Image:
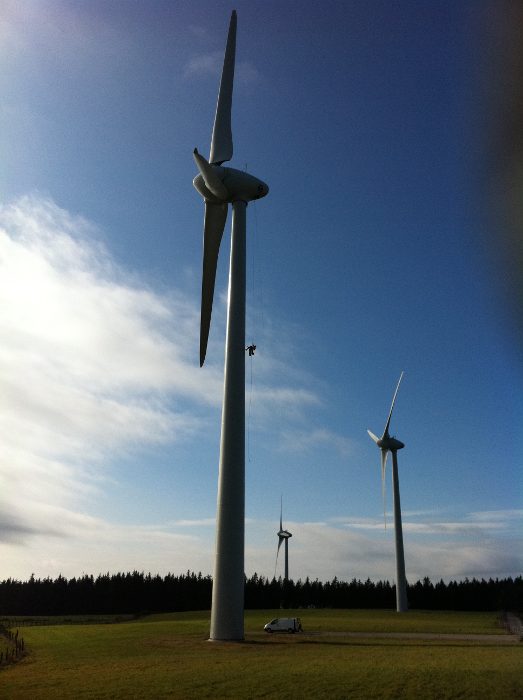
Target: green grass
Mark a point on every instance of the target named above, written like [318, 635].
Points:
[168, 656]
[382, 621]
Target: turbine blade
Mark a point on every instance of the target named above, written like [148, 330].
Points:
[215, 217]
[210, 176]
[373, 436]
[384, 455]
[221, 141]
[281, 513]
[280, 540]
[386, 431]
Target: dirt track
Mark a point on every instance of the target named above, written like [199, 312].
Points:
[478, 638]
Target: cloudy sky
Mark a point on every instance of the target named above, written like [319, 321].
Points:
[375, 252]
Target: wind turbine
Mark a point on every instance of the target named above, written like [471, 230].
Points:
[221, 186]
[283, 536]
[390, 444]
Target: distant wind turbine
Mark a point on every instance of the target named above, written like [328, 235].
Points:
[220, 186]
[283, 536]
[390, 444]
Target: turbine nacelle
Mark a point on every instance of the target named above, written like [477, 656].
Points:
[220, 185]
[284, 534]
[386, 442]
[390, 443]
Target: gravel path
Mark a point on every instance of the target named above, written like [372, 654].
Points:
[479, 638]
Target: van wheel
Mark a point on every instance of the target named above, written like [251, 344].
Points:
[290, 630]
[269, 630]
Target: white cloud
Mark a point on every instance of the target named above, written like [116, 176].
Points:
[95, 367]
[247, 73]
[202, 522]
[70, 308]
[198, 31]
[316, 438]
[204, 65]
[92, 545]
[500, 516]
[210, 64]
[322, 550]
[424, 523]
[91, 368]
[477, 558]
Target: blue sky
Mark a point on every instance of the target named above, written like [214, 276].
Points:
[372, 254]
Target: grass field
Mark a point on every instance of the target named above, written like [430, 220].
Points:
[168, 656]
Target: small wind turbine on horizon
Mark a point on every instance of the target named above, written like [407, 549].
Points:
[283, 536]
[221, 186]
[390, 444]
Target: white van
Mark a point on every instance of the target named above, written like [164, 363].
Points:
[284, 624]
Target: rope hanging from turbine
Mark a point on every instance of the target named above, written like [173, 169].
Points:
[250, 349]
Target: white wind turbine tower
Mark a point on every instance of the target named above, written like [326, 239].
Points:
[283, 536]
[390, 444]
[220, 187]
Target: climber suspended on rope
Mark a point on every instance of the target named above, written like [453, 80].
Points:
[251, 349]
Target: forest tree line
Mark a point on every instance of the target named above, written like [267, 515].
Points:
[139, 593]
